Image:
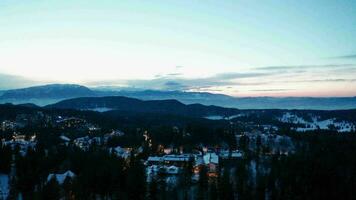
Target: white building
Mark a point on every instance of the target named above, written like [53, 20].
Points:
[61, 177]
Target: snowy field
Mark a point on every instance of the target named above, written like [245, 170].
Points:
[219, 117]
[316, 123]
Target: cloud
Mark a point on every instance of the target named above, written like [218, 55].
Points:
[173, 85]
[271, 90]
[330, 80]
[175, 82]
[174, 74]
[254, 80]
[12, 82]
[230, 76]
[293, 67]
[350, 56]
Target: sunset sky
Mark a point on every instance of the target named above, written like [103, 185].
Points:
[240, 48]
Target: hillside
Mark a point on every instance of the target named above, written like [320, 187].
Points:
[136, 105]
[45, 94]
[49, 94]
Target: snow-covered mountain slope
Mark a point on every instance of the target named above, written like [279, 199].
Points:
[315, 122]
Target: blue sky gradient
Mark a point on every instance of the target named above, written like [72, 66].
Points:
[241, 48]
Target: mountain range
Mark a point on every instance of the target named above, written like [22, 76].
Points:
[126, 104]
[49, 94]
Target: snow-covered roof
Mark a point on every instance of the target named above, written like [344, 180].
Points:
[176, 158]
[234, 154]
[82, 139]
[172, 170]
[211, 158]
[199, 161]
[124, 153]
[61, 177]
[64, 138]
[154, 159]
[170, 158]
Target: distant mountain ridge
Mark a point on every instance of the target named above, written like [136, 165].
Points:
[49, 94]
[205, 98]
[49, 91]
[127, 104]
[45, 94]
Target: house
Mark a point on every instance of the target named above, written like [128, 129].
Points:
[168, 150]
[154, 160]
[226, 154]
[8, 125]
[198, 163]
[172, 170]
[113, 133]
[71, 122]
[177, 160]
[23, 145]
[19, 138]
[82, 142]
[85, 142]
[211, 160]
[60, 178]
[121, 152]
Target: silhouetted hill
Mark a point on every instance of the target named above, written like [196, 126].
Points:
[205, 98]
[45, 94]
[49, 94]
[49, 91]
[135, 105]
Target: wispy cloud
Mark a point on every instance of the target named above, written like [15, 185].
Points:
[11, 82]
[329, 80]
[350, 56]
[253, 80]
[173, 85]
[264, 80]
[174, 74]
[234, 75]
[175, 82]
[293, 67]
[271, 90]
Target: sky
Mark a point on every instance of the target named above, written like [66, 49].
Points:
[239, 48]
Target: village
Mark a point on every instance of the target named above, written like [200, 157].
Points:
[166, 161]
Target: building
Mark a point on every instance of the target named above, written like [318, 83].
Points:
[121, 152]
[232, 155]
[8, 125]
[60, 178]
[176, 160]
[211, 160]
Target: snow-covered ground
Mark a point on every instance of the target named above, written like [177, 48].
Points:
[4, 186]
[214, 117]
[220, 117]
[316, 123]
[291, 118]
[101, 109]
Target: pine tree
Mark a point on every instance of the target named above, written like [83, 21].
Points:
[225, 186]
[51, 190]
[136, 179]
[153, 189]
[6, 157]
[213, 191]
[203, 182]
[68, 188]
